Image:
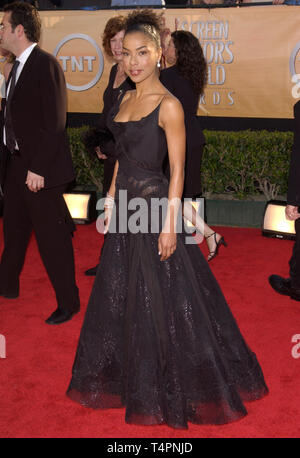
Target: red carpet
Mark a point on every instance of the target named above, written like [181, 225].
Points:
[36, 371]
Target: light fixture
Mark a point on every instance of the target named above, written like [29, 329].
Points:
[275, 223]
[82, 206]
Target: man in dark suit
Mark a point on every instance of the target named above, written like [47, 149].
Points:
[39, 165]
[291, 286]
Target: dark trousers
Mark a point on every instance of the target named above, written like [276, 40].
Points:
[295, 259]
[46, 213]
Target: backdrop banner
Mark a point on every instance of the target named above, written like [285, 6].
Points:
[253, 57]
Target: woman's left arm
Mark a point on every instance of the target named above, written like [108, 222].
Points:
[171, 119]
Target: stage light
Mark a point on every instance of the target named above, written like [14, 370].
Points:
[275, 223]
[82, 206]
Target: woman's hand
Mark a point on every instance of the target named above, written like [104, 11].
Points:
[34, 182]
[99, 154]
[167, 242]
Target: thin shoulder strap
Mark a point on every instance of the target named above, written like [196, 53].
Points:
[159, 105]
[116, 103]
[121, 96]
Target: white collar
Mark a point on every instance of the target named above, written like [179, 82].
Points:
[26, 53]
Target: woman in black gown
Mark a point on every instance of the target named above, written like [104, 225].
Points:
[186, 79]
[118, 82]
[158, 336]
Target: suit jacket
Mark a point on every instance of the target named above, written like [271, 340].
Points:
[38, 108]
[3, 153]
[293, 195]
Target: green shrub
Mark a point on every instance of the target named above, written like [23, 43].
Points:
[88, 168]
[238, 164]
[246, 163]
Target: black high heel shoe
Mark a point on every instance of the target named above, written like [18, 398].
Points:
[213, 254]
[92, 271]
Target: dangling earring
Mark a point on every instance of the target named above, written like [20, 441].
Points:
[158, 64]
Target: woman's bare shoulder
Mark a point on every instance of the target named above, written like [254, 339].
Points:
[128, 95]
[170, 105]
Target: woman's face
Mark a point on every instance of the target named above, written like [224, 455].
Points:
[170, 53]
[116, 45]
[140, 56]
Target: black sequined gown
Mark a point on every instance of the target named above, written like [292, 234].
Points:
[158, 336]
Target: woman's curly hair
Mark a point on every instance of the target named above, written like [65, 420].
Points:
[144, 16]
[113, 26]
[190, 61]
[146, 21]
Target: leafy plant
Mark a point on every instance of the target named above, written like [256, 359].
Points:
[88, 168]
[246, 163]
[238, 164]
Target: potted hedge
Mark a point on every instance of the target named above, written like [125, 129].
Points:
[241, 171]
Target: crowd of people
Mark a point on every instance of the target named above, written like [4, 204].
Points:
[158, 337]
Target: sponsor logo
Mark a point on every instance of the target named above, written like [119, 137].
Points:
[83, 63]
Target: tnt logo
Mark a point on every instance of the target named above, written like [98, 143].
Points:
[81, 60]
[294, 66]
[2, 346]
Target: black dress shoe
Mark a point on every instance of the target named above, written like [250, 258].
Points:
[92, 271]
[280, 285]
[295, 294]
[59, 316]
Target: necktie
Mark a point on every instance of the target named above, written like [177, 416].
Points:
[9, 132]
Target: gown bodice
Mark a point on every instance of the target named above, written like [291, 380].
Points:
[141, 151]
[142, 141]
